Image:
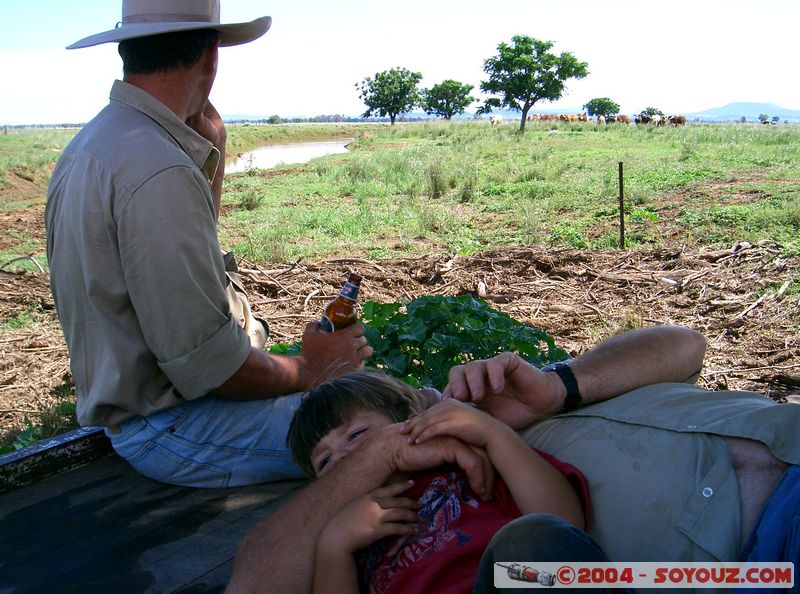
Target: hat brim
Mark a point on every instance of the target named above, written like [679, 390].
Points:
[232, 34]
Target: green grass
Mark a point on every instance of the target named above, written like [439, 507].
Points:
[27, 153]
[461, 186]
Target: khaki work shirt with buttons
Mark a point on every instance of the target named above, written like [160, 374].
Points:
[136, 268]
[662, 484]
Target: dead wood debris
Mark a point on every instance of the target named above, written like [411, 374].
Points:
[740, 299]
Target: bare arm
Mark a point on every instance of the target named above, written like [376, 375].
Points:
[639, 358]
[519, 394]
[278, 554]
[534, 483]
[323, 356]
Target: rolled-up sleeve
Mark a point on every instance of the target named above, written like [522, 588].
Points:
[191, 373]
[175, 275]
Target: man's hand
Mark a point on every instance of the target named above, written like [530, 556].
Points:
[329, 354]
[508, 387]
[210, 126]
[392, 447]
[369, 518]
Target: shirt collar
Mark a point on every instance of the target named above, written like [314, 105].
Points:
[199, 149]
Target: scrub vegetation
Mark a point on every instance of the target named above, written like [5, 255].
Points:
[464, 186]
[531, 222]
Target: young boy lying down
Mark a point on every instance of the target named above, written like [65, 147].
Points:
[424, 532]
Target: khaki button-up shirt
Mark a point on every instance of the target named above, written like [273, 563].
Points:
[662, 484]
[136, 268]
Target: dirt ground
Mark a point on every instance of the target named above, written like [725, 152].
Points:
[736, 297]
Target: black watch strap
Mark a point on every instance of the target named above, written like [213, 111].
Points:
[573, 399]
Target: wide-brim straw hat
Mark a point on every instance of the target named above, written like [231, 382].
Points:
[142, 18]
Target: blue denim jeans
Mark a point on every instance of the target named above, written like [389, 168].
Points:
[537, 537]
[212, 442]
[777, 535]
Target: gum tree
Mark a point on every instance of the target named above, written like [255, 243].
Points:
[525, 72]
[601, 106]
[446, 99]
[390, 92]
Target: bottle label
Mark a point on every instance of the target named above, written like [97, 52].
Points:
[350, 291]
[326, 324]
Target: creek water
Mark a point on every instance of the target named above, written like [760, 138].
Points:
[272, 155]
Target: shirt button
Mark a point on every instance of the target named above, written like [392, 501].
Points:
[708, 491]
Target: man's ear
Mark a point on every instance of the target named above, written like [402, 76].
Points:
[210, 59]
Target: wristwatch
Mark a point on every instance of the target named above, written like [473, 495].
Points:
[564, 371]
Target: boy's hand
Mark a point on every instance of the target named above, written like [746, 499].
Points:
[389, 452]
[371, 517]
[455, 419]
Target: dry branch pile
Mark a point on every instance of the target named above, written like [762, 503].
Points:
[738, 298]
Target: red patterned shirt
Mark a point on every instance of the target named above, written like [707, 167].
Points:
[455, 528]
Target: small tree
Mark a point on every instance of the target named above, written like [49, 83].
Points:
[447, 98]
[390, 92]
[525, 72]
[651, 111]
[601, 106]
[763, 118]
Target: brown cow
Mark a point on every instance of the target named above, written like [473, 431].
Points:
[677, 120]
[623, 119]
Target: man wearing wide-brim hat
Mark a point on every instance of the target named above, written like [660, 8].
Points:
[139, 278]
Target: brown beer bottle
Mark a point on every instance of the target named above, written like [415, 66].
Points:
[341, 312]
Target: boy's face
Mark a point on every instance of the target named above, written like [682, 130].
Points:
[346, 438]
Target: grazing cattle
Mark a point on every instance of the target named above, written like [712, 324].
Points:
[601, 119]
[496, 119]
[643, 118]
[582, 117]
[658, 120]
[534, 117]
[610, 119]
[547, 117]
[623, 119]
[677, 120]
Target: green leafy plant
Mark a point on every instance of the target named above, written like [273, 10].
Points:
[419, 341]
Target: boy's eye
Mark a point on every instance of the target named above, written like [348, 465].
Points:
[355, 434]
[323, 463]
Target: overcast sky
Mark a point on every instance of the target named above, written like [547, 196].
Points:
[680, 56]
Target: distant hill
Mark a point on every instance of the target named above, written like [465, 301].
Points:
[735, 111]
